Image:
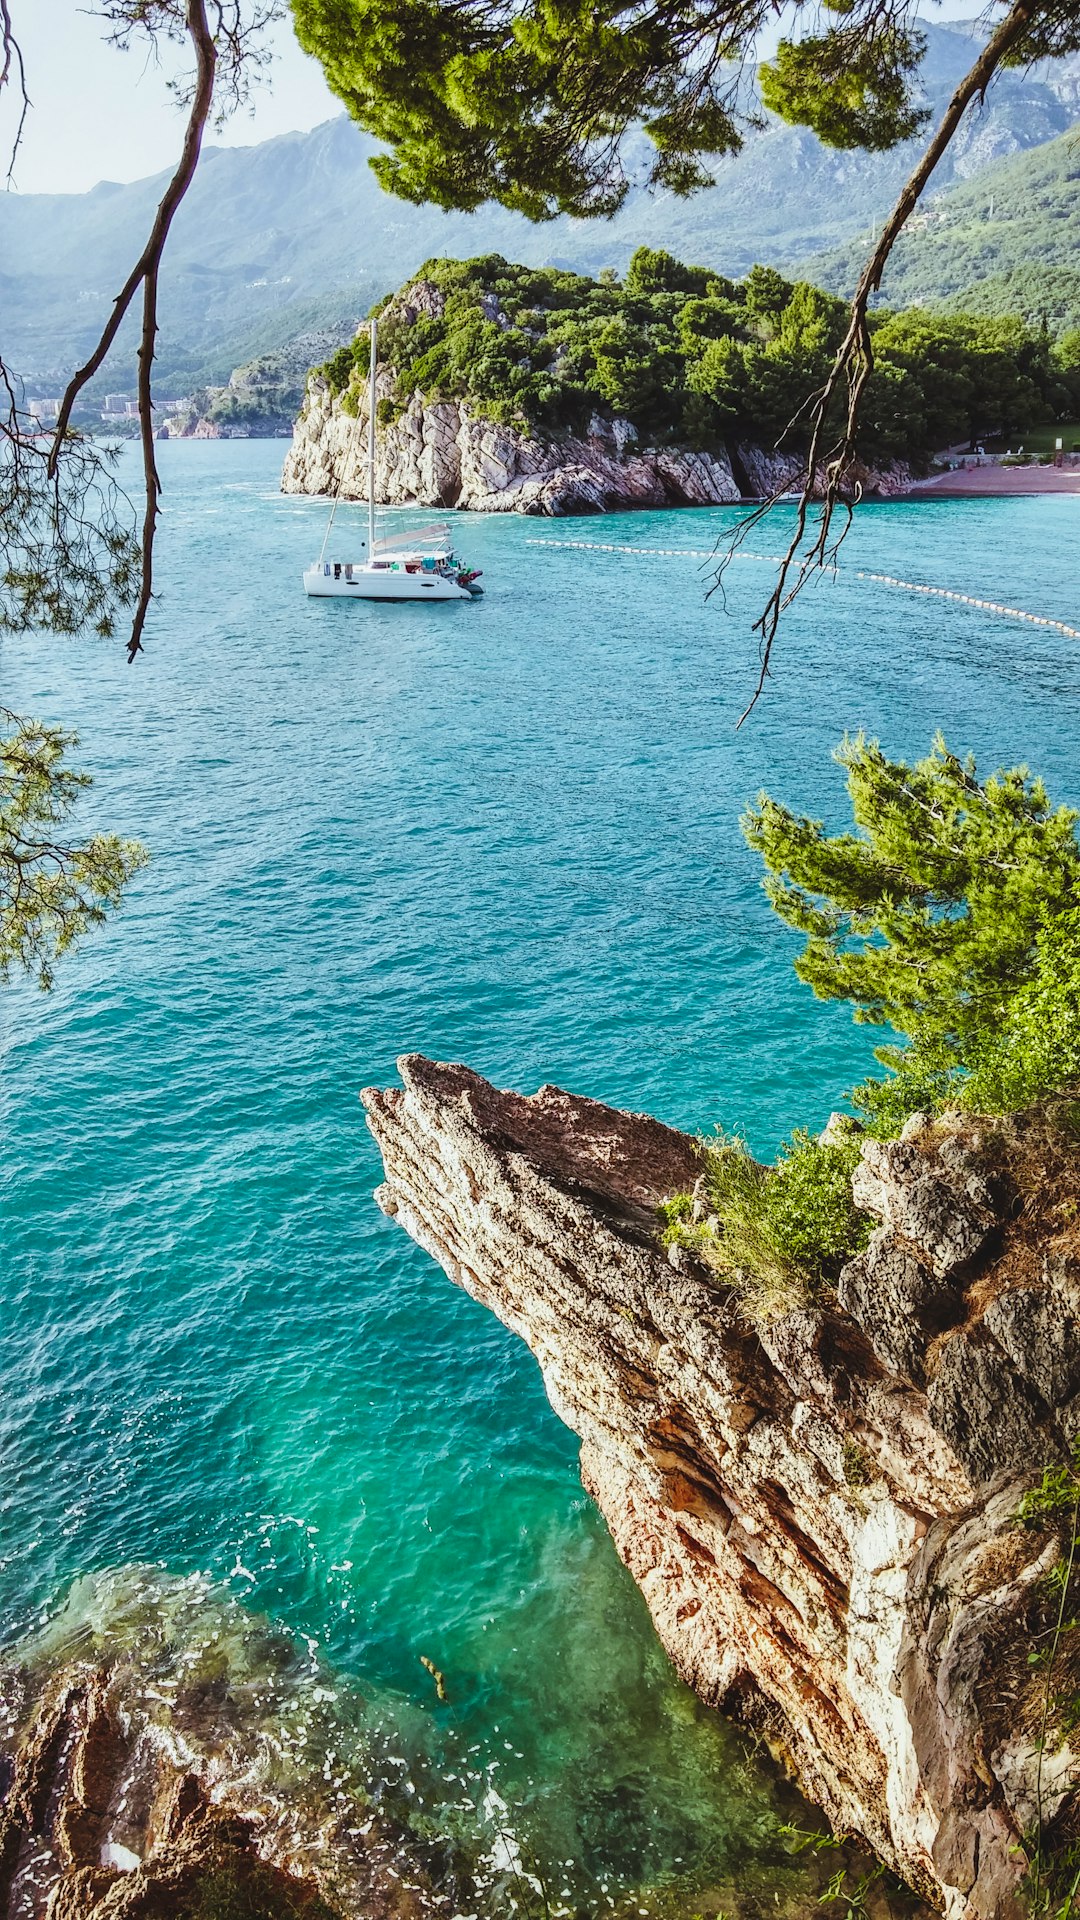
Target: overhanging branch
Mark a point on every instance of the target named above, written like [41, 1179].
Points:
[145, 274]
[831, 465]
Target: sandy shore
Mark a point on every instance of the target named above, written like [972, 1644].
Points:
[1001, 482]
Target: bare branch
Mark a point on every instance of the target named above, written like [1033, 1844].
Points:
[831, 468]
[145, 272]
[11, 59]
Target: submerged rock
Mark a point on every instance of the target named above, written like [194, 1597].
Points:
[164, 1755]
[820, 1511]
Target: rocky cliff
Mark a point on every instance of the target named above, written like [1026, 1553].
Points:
[820, 1511]
[445, 454]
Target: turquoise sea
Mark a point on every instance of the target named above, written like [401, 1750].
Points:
[502, 832]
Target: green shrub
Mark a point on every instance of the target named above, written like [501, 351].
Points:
[339, 369]
[779, 1233]
[917, 1084]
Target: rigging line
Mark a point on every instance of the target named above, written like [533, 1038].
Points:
[349, 451]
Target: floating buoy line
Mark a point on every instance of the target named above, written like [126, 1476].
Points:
[969, 600]
[668, 553]
[879, 579]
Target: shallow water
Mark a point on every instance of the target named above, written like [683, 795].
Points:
[505, 833]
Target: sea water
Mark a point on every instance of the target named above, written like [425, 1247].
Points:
[504, 832]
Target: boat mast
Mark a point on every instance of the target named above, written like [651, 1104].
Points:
[371, 445]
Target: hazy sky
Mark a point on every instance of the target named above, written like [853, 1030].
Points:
[100, 114]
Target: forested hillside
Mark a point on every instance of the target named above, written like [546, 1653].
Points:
[1007, 241]
[296, 233]
[690, 356]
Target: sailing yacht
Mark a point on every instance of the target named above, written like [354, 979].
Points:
[411, 566]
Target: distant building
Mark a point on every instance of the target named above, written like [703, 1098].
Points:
[44, 412]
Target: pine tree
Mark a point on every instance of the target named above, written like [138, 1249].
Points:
[928, 916]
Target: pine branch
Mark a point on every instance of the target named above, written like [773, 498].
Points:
[145, 273]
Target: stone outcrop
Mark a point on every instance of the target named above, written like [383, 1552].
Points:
[172, 1756]
[819, 1510]
[444, 454]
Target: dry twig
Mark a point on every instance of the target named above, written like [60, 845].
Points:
[11, 60]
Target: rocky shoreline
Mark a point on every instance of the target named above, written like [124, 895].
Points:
[820, 1511]
[165, 1755]
[445, 454]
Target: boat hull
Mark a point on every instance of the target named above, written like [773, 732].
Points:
[393, 584]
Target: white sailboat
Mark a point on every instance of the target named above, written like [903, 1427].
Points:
[413, 565]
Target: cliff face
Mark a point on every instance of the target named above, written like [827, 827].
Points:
[443, 454]
[819, 1512]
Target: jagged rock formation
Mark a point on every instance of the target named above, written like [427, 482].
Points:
[820, 1510]
[444, 454]
[162, 1767]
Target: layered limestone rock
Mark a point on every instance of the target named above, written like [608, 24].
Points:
[444, 454]
[819, 1511]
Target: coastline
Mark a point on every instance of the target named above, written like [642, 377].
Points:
[997, 483]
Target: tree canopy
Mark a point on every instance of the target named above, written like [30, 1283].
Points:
[53, 887]
[950, 914]
[528, 103]
[688, 355]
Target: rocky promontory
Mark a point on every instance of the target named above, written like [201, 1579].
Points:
[820, 1509]
[439, 452]
[444, 454]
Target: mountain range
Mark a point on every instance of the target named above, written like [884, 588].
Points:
[295, 234]
[1006, 241]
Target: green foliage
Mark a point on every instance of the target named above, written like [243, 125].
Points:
[915, 1085]
[1004, 241]
[52, 889]
[962, 376]
[858, 1471]
[778, 1233]
[690, 356]
[927, 917]
[339, 369]
[529, 104]
[1034, 1048]
[852, 91]
[69, 560]
[1054, 1872]
[951, 914]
